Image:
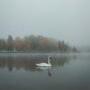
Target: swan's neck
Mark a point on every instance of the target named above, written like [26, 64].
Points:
[49, 61]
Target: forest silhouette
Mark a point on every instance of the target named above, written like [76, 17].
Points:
[34, 43]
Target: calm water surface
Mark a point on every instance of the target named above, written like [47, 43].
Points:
[68, 72]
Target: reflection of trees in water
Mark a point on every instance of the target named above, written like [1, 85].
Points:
[10, 65]
[29, 63]
[7, 62]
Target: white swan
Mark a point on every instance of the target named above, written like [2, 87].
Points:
[45, 64]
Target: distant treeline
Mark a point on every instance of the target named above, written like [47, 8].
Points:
[34, 43]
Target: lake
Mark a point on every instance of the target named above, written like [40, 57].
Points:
[18, 71]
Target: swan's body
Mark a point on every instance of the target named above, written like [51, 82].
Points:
[43, 68]
[45, 64]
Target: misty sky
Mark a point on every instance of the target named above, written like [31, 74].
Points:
[67, 20]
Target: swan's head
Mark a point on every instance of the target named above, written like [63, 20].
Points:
[49, 57]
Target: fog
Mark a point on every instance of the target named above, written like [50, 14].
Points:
[67, 20]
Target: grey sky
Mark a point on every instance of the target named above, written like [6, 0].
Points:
[67, 20]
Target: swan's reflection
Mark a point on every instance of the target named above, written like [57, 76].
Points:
[43, 68]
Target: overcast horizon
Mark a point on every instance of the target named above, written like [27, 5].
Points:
[67, 20]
